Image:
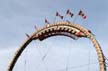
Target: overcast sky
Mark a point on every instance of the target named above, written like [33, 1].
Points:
[18, 17]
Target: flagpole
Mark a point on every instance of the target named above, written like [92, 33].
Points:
[65, 17]
[54, 19]
[66, 14]
[75, 18]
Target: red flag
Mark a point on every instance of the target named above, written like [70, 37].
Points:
[81, 13]
[27, 35]
[57, 14]
[69, 13]
[85, 17]
[46, 21]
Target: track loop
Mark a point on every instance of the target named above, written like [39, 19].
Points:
[61, 28]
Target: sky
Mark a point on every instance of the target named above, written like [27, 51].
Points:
[18, 17]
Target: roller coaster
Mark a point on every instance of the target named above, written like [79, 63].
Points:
[65, 28]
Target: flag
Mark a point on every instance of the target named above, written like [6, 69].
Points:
[69, 13]
[35, 27]
[81, 13]
[46, 21]
[57, 14]
[27, 35]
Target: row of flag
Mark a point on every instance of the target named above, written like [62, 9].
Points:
[69, 13]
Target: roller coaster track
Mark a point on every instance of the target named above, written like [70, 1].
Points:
[69, 29]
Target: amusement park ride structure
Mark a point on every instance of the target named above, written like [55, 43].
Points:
[66, 28]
